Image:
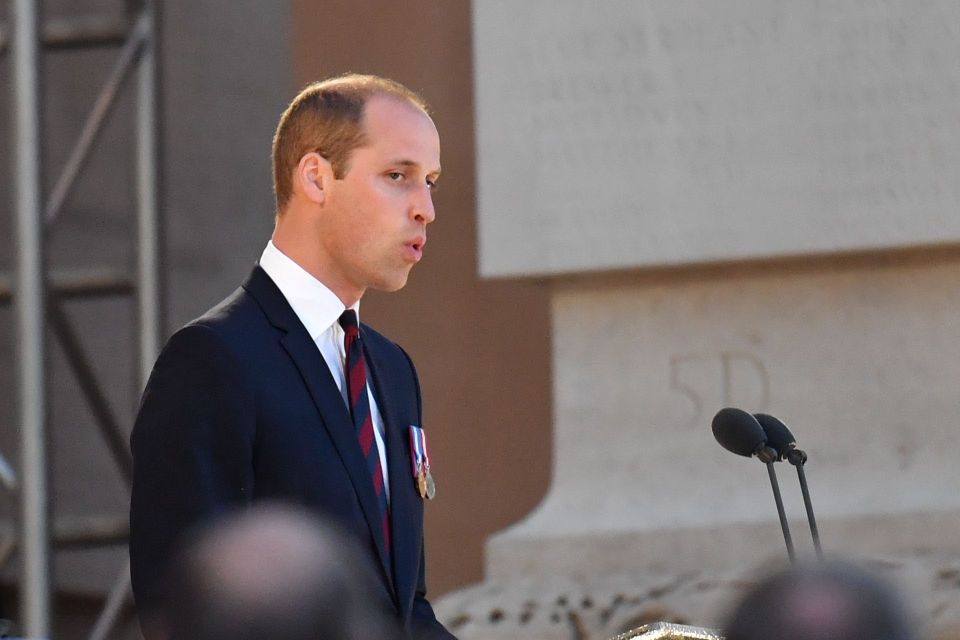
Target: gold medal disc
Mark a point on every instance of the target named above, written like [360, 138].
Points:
[423, 483]
[431, 488]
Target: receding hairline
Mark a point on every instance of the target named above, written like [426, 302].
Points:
[368, 87]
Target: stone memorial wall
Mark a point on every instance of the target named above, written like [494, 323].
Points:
[627, 134]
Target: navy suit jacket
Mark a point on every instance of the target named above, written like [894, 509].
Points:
[240, 407]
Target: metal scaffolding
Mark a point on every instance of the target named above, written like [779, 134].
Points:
[38, 295]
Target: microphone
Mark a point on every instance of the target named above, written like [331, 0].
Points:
[739, 432]
[782, 438]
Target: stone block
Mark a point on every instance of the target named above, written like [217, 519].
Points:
[861, 360]
[629, 134]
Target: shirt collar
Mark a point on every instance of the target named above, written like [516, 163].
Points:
[317, 306]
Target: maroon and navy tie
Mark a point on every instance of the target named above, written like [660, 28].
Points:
[356, 370]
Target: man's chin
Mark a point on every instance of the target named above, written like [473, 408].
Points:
[389, 286]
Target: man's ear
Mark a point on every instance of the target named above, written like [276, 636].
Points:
[313, 176]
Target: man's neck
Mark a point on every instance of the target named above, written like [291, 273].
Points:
[299, 248]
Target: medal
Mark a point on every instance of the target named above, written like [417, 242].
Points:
[420, 463]
[424, 482]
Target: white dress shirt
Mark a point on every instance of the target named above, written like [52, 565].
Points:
[319, 310]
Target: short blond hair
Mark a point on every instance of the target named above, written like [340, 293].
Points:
[326, 117]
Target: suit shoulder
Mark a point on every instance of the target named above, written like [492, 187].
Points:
[236, 309]
[229, 323]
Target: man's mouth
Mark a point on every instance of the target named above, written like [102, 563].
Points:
[415, 247]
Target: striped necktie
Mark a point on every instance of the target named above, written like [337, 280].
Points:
[356, 370]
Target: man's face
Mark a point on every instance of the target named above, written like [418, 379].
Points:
[373, 226]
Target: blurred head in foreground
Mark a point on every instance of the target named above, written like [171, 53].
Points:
[831, 601]
[271, 572]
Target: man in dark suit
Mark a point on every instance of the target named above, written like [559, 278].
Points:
[260, 398]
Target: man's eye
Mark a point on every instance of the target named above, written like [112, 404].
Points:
[432, 185]
[396, 176]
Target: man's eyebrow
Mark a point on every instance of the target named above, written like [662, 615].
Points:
[414, 164]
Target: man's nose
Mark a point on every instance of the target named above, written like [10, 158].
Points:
[422, 207]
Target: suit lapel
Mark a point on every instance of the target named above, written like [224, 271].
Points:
[334, 413]
[406, 505]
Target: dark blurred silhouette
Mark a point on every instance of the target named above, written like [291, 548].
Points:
[830, 601]
[271, 572]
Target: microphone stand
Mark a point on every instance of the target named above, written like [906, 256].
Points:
[783, 516]
[798, 458]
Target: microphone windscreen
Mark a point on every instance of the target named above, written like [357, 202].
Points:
[778, 434]
[738, 431]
